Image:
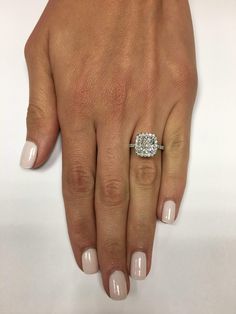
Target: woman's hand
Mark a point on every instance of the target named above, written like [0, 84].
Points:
[101, 72]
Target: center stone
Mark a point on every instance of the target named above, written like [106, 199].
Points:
[146, 144]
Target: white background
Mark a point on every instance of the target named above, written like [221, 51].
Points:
[194, 261]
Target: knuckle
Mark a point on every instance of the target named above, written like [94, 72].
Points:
[184, 75]
[178, 180]
[112, 248]
[178, 142]
[145, 173]
[78, 180]
[142, 225]
[78, 227]
[36, 114]
[113, 192]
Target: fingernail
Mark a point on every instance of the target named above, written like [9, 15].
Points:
[117, 285]
[168, 213]
[28, 155]
[90, 261]
[138, 266]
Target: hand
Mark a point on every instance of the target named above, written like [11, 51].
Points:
[101, 72]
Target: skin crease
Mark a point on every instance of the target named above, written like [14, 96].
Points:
[101, 72]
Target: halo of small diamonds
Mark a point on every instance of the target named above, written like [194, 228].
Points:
[146, 144]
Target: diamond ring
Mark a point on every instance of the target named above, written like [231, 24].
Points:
[146, 145]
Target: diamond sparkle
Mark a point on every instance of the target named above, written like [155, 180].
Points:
[146, 145]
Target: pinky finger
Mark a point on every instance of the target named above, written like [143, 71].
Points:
[174, 163]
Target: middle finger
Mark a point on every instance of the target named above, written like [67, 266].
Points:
[111, 204]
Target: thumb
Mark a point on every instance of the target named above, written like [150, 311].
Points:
[42, 122]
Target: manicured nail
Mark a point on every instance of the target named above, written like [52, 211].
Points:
[28, 155]
[117, 285]
[90, 261]
[168, 213]
[138, 266]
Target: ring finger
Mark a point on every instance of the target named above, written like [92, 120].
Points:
[145, 174]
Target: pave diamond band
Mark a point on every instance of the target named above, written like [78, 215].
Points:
[146, 145]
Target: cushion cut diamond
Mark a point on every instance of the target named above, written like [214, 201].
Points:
[146, 145]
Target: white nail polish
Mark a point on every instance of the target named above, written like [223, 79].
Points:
[28, 155]
[138, 266]
[117, 285]
[168, 213]
[90, 261]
